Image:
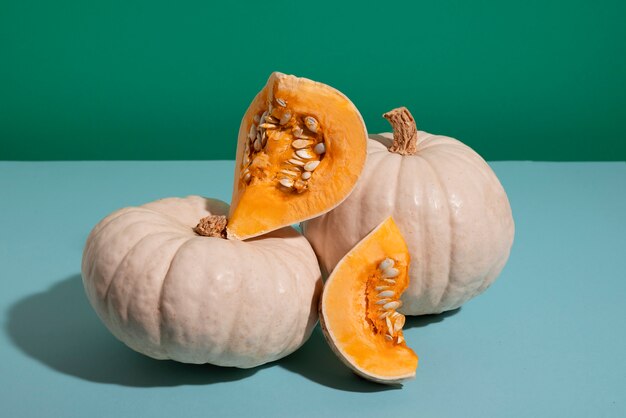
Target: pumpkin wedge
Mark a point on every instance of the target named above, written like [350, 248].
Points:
[301, 148]
[358, 307]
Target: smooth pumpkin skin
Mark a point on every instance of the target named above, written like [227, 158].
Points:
[171, 294]
[344, 312]
[450, 207]
[262, 206]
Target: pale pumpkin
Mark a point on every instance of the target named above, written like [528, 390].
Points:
[449, 205]
[170, 293]
[302, 146]
[358, 309]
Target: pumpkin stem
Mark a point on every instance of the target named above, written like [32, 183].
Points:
[212, 226]
[404, 131]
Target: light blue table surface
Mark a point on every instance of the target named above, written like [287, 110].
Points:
[548, 339]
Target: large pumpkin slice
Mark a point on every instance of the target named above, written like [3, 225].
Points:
[302, 146]
[358, 307]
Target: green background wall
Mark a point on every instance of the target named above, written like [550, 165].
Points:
[541, 80]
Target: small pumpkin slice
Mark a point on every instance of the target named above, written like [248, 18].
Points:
[358, 307]
[301, 148]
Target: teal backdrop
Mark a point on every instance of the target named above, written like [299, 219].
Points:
[540, 80]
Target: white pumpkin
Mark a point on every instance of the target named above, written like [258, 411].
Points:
[447, 202]
[171, 294]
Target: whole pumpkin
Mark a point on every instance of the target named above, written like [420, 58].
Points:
[169, 293]
[449, 205]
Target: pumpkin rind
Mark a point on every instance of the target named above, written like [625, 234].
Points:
[349, 315]
[270, 191]
[450, 207]
[171, 294]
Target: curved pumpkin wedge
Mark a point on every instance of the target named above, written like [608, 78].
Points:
[301, 148]
[358, 307]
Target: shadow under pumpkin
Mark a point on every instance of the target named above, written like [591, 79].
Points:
[59, 328]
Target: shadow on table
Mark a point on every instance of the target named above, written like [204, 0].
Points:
[425, 320]
[59, 328]
[316, 362]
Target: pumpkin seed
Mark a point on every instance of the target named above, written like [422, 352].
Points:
[271, 119]
[311, 165]
[384, 315]
[400, 339]
[257, 118]
[257, 145]
[252, 133]
[246, 176]
[306, 175]
[311, 124]
[297, 131]
[268, 126]
[386, 294]
[386, 263]
[300, 186]
[281, 102]
[388, 337]
[390, 272]
[286, 182]
[378, 288]
[300, 143]
[389, 325]
[285, 117]
[392, 281]
[289, 172]
[392, 305]
[398, 323]
[383, 302]
[304, 154]
[263, 116]
[293, 161]
[320, 148]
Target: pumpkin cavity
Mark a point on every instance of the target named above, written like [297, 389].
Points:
[284, 147]
[382, 300]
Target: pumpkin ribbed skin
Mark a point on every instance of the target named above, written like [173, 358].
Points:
[448, 204]
[171, 294]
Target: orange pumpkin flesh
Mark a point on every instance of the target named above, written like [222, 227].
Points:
[358, 307]
[301, 148]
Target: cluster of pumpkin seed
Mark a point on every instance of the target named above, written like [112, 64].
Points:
[387, 301]
[307, 143]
